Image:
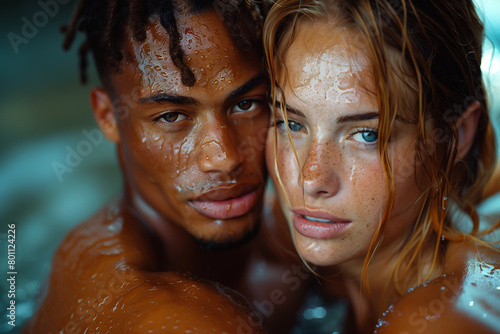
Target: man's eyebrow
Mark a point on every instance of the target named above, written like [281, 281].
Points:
[170, 98]
[254, 82]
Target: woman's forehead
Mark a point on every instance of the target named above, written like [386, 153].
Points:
[330, 63]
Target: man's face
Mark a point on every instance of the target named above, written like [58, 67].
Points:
[194, 154]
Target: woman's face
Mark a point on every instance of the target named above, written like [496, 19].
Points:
[336, 205]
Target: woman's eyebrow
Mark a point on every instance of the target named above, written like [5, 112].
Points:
[357, 118]
[291, 110]
[367, 116]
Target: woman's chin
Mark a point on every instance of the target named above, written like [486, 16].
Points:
[325, 252]
[318, 252]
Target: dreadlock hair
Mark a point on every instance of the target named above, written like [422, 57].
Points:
[104, 22]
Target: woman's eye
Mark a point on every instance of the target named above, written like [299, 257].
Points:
[172, 117]
[245, 105]
[366, 136]
[292, 125]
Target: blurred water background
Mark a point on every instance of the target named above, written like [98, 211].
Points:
[45, 114]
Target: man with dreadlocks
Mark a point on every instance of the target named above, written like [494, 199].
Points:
[184, 99]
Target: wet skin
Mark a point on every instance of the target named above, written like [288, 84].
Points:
[334, 196]
[193, 166]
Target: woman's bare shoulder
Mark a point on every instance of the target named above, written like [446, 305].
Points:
[466, 300]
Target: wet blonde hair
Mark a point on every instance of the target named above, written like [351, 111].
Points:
[426, 58]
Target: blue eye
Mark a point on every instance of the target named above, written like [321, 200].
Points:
[292, 125]
[366, 136]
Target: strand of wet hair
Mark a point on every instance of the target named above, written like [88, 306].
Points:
[138, 18]
[231, 16]
[168, 21]
[113, 33]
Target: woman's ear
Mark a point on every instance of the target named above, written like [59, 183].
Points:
[467, 126]
[102, 106]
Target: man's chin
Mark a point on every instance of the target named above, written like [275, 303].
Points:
[229, 242]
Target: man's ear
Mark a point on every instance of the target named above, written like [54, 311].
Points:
[467, 126]
[102, 106]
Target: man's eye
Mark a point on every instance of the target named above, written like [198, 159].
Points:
[172, 117]
[245, 105]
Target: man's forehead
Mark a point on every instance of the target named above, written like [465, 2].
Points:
[208, 51]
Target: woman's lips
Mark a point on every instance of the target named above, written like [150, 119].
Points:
[226, 208]
[319, 225]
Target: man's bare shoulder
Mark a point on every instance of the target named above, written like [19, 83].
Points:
[463, 301]
[110, 234]
[105, 277]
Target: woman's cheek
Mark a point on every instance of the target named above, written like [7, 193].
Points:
[281, 163]
[369, 186]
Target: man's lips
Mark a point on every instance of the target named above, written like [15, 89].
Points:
[226, 202]
[318, 224]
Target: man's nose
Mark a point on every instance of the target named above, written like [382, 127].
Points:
[320, 178]
[218, 150]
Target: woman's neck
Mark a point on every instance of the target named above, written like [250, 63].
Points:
[371, 297]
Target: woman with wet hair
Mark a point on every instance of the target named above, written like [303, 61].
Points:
[381, 148]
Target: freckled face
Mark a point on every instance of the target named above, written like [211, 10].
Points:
[336, 205]
[194, 154]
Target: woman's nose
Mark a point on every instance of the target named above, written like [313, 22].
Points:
[320, 178]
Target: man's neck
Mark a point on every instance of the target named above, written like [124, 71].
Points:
[183, 254]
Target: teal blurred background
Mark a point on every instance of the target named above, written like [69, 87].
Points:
[44, 113]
